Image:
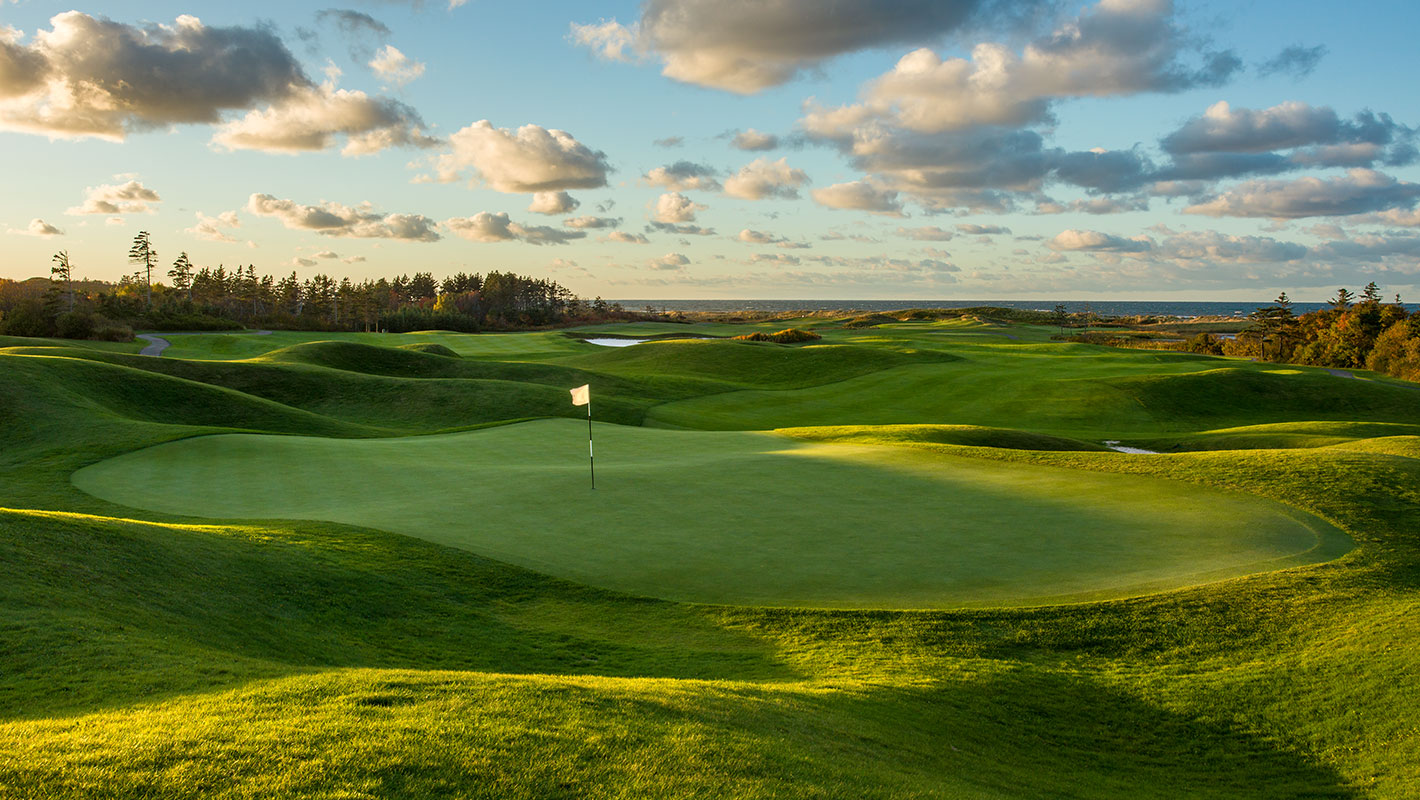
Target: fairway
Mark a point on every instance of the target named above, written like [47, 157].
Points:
[739, 518]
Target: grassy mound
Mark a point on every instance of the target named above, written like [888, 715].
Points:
[965, 435]
[786, 336]
[431, 348]
[1250, 396]
[736, 365]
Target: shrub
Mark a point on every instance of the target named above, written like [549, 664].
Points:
[76, 325]
[786, 336]
[113, 332]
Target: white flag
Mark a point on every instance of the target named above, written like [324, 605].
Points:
[582, 395]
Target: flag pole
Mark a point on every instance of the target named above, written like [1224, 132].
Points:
[591, 457]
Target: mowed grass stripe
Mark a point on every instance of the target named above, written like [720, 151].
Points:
[738, 517]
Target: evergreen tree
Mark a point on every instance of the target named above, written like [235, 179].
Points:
[61, 273]
[1342, 300]
[143, 254]
[181, 273]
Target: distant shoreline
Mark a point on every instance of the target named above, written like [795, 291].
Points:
[1109, 308]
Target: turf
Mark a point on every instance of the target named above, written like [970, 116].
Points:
[143, 655]
[738, 518]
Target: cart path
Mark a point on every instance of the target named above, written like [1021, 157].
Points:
[157, 344]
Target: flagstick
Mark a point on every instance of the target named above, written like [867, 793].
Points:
[591, 458]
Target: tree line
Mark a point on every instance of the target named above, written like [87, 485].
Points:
[206, 298]
[1355, 332]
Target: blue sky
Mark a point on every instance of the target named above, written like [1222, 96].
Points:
[907, 148]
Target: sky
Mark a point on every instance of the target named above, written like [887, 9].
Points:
[678, 149]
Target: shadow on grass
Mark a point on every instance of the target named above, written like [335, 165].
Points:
[1026, 734]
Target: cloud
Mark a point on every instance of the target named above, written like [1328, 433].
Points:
[497, 227]
[972, 229]
[1117, 47]
[1295, 61]
[40, 228]
[314, 118]
[682, 230]
[674, 207]
[683, 176]
[1224, 129]
[1094, 241]
[553, 203]
[754, 140]
[353, 260]
[626, 238]
[607, 39]
[1358, 192]
[93, 77]
[927, 233]
[783, 259]
[213, 229]
[669, 141]
[669, 261]
[358, 28]
[859, 196]
[334, 219]
[530, 159]
[747, 47]
[394, 67]
[759, 237]
[298, 261]
[762, 178]
[1218, 247]
[123, 198]
[583, 223]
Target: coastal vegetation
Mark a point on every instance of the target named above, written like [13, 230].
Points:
[348, 564]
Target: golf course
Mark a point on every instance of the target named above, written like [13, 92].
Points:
[899, 560]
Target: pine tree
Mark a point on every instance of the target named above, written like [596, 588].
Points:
[143, 254]
[1371, 294]
[1342, 300]
[61, 273]
[181, 273]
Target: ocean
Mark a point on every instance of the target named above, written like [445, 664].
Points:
[1108, 308]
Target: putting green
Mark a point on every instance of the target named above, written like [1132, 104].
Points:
[739, 518]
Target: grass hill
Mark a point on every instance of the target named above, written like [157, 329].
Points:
[148, 654]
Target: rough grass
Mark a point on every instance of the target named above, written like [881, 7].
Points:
[142, 656]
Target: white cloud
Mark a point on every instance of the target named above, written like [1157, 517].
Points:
[592, 222]
[683, 176]
[759, 237]
[214, 229]
[626, 238]
[754, 140]
[334, 219]
[1095, 241]
[859, 196]
[673, 208]
[124, 198]
[608, 39]
[1116, 47]
[497, 227]
[669, 261]
[750, 46]
[38, 227]
[1358, 192]
[314, 118]
[553, 203]
[926, 233]
[93, 77]
[531, 159]
[394, 67]
[763, 178]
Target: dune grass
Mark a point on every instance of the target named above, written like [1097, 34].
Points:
[146, 655]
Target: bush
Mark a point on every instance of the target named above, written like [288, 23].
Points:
[76, 325]
[786, 336]
[113, 332]
[161, 321]
[27, 319]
